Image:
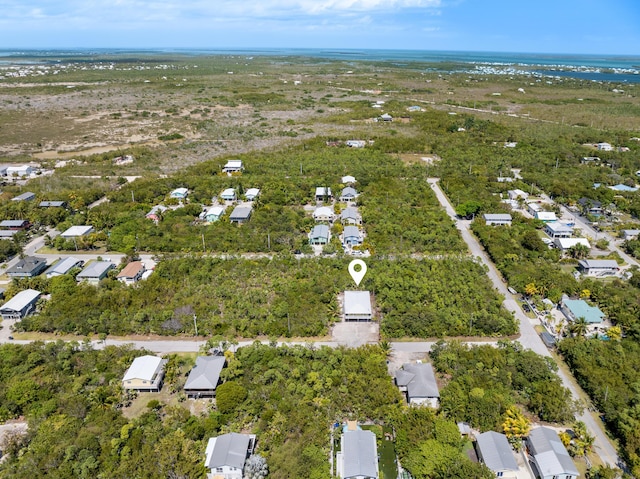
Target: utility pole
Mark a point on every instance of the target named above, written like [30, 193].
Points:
[204, 249]
[195, 324]
[133, 198]
[269, 241]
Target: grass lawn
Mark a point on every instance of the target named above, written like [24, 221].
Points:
[386, 452]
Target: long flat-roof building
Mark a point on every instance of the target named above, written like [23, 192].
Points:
[357, 306]
[21, 305]
[27, 196]
[233, 166]
[497, 219]
[555, 229]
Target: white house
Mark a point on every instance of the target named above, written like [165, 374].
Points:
[564, 244]
[145, 374]
[348, 180]
[323, 193]
[22, 170]
[179, 193]
[630, 234]
[604, 146]
[21, 305]
[77, 231]
[598, 267]
[497, 219]
[228, 195]
[233, 166]
[546, 216]
[63, 266]
[350, 216]
[419, 384]
[324, 213]
[556, 229]
[213, 214]
[517, 194]
[348, 194]
[251, 194]
[226, 454]
[357, 306]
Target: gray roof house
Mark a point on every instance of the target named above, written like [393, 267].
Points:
[21, 305]
[494, 450]
[357, 306]
[598, 267]
[497, 219]
[319, 235]
[419, 383]
[63, 266]
[77, 231]
[95, 272]
[15, 224]
[52, 204]
[27, 267]
[358, 456]
[350, 216]
[240, 214]
[351, 236]
[550, 457]
[226, 454]
[8, 234]
[27, 196]
[204, 377]
[348, 194]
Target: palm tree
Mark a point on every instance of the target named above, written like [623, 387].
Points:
[579, 251]
[579, 327]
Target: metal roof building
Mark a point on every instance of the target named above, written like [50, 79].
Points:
[240, 214]
[27, 196]
[95, 271]
[358, 457]
[63, 266]
[495, 451]
[205, 376]
[145, 374]
[229, 451]
[419, 382]
[578, 308]
[76, 231]
[357, 306]
[52, 204]
[27, 267]
[319, 235]
[549, 454]
[20, 305]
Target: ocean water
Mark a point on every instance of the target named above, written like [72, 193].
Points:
[612, 68]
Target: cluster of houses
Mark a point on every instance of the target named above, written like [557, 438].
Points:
[10, 227]
[352, 236]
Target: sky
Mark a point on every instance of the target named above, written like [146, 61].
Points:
[543, 26]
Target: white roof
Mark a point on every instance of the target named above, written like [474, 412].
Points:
[566, 243]
[228, 192]
[233, 164]
[143, 367]
[179, 192]
[598, 263]
[357, 302]
[546, 215]
[323, 191]
[77, 231]
[21, 300]
[252, 192]
[323, 211]
[557, 227]
[348, 179]
[497, 217]
[215, 210]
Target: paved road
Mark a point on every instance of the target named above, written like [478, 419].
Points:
[528, 336]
